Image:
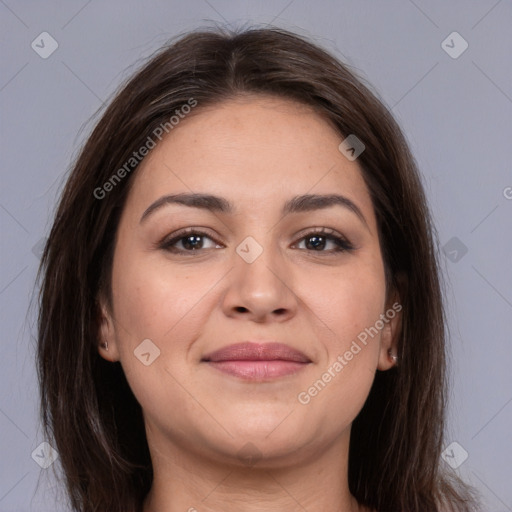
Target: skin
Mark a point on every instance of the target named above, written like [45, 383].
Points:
[257, 152]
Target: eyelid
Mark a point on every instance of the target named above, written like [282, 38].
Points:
[318, 230]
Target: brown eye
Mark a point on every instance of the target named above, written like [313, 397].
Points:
[189, 241]
[318, 241]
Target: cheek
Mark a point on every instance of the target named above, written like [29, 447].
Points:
[349, 301]
[152, 299]
[151, 303]
[347, 306]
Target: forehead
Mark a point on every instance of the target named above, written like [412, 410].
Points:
[249, 150]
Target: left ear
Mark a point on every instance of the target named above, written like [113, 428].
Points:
[107, 341]
[392, 319]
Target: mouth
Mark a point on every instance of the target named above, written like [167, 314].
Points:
[257, 361]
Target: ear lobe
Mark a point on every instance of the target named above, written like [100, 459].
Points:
[388, 356]
[107, 346]
[388, 351]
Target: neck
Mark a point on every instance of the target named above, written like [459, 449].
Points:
[187, 481]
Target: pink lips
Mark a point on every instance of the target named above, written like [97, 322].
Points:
[254, 361]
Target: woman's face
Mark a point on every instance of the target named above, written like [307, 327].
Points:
[253, 267]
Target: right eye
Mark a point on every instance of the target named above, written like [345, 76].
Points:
[187, 241]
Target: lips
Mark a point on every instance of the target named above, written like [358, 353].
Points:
[249, 351]
[256, 361]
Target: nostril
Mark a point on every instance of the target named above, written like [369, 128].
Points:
[241, 309]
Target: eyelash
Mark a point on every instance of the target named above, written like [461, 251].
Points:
[342, 244]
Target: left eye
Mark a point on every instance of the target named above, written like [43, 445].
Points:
[318, 241]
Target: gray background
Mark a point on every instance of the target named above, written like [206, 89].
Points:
[456, 114]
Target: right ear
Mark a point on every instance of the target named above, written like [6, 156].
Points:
[107, 343]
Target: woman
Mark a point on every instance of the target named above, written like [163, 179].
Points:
[240, 306]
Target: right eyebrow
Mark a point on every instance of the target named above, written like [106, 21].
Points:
[203, 201]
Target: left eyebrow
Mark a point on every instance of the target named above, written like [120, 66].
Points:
[310, 202]
[298, 204]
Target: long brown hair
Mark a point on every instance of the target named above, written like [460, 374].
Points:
[87, 407]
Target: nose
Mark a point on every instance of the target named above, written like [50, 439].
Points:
[261, 291]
